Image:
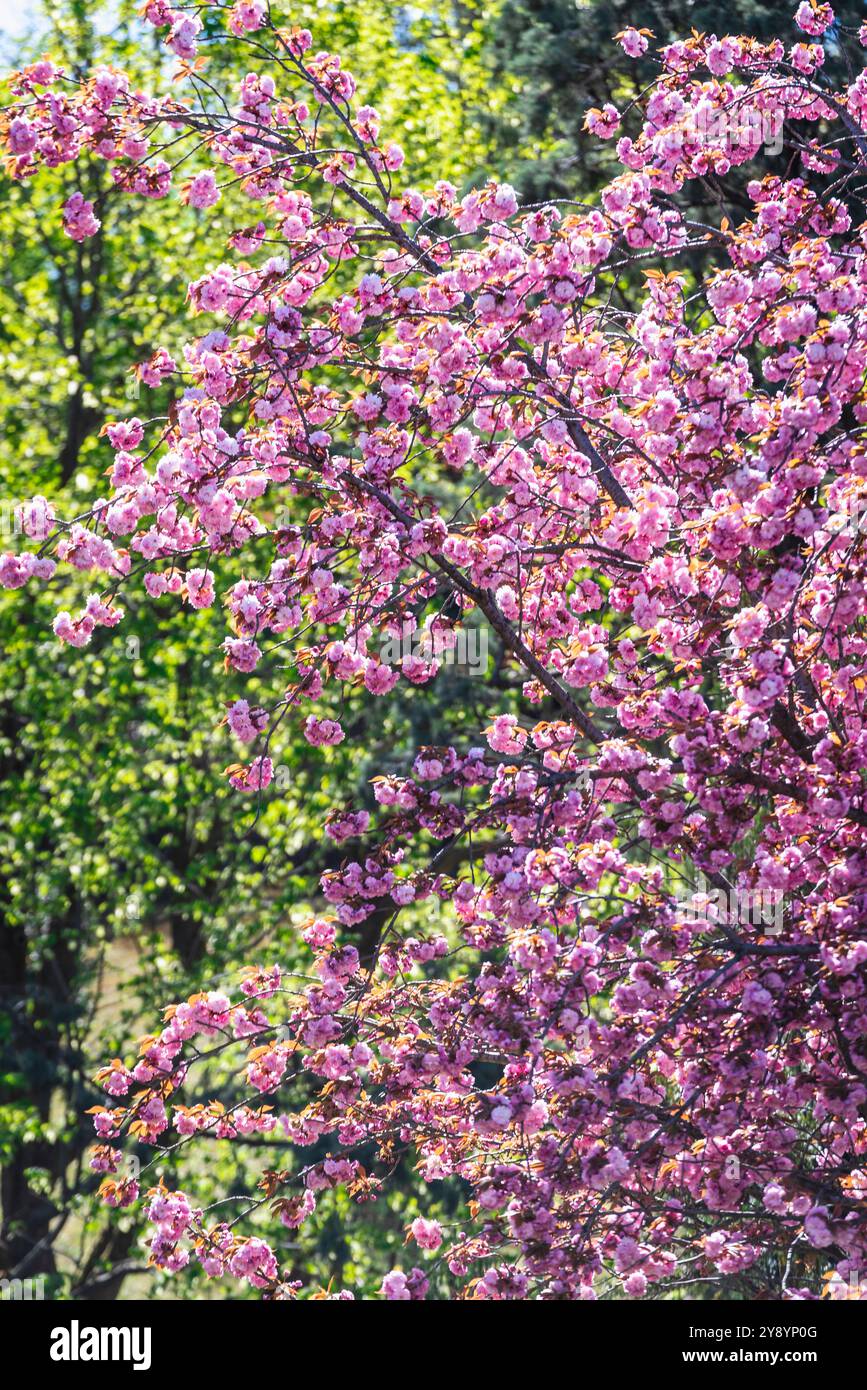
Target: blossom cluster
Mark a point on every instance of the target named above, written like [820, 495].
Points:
[644, 507]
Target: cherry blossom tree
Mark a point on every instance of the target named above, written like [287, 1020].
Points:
[630, 443]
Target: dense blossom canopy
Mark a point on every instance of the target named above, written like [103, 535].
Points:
[631, 445]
